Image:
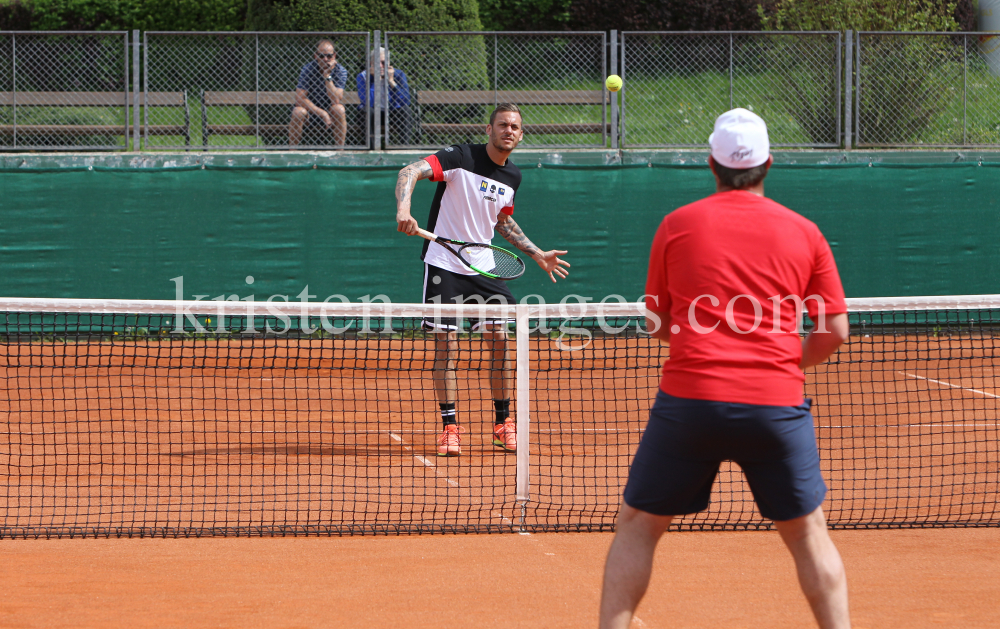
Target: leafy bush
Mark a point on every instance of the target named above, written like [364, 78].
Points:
[14, 16]
[665, 15]
[525, 15]
[864, 15]
[901, 95]
[103, 15]
[361, 15]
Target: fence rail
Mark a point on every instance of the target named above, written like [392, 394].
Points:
[74, 90]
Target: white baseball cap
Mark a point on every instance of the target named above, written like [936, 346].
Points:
[739, 140]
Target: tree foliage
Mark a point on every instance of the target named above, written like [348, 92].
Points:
[665, 15]
[364, 15]
[525, 15]
[103, 15]
[868, 15]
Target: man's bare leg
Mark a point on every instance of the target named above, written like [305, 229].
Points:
[445, 355]
[338, 118]
[629, 564]
[820, 569]
[299, 115]
[501, 371]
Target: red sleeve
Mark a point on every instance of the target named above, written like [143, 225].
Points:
[825, 282]
[657, 291]
[509, 210]
[435, 167]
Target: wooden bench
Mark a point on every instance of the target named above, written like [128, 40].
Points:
[251, 99]
[94, 99]
[518, 97]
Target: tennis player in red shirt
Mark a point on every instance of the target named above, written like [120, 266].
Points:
[728, 276]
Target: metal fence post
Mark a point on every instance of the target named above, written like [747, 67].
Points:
[965, 89]
[13, 95]
[848, 86]
[136, 78]
[621, 114]
[377, 101]
[857, 90]
[256, 88]
[614, 96]
[145, 82]
[730, 70]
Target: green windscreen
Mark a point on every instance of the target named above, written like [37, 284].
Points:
[120, 227]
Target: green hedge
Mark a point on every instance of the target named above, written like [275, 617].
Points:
[105, 15]
[238, 15]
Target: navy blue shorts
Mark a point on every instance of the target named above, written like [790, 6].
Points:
[686, 441]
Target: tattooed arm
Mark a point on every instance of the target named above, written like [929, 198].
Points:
[407, 180]
[548, 260]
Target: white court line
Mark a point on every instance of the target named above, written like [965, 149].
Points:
[427, 431]
[948, 384]
[938, 425]
[510, 522]
[423, 460]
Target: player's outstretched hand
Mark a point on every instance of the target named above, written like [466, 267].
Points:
[406, 224]
[552, 264]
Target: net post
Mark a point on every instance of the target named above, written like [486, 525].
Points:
[522, 406]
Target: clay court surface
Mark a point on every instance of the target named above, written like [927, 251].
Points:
[912, 579]
[156, 438]
[172, 437]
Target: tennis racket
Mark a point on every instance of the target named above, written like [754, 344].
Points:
[500, 264]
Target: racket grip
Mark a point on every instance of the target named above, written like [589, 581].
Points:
[426, 234]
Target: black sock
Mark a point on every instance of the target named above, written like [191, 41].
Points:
[503, 410]
[448, 414]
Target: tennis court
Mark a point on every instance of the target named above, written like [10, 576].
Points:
[116, 426]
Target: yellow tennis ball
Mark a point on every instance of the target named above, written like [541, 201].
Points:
[614, 83]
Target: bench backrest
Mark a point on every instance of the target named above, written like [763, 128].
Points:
[213, 98]
[88, 99]
[519, 97]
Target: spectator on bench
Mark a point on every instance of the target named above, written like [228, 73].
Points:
[398, 100]
[318, 97]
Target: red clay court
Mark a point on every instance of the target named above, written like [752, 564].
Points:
[112, 427]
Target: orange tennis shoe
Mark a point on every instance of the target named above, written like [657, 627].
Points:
[505, 435]
[450, 441]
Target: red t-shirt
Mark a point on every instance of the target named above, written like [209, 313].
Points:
[719, 267]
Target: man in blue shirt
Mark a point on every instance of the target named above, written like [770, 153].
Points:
[318, 97]
[398, 100]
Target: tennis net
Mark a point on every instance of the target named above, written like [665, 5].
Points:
[171, 418]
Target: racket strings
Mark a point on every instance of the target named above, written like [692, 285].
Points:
[494, 260]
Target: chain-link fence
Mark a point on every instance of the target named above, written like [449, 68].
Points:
[676, 83]
[63, 90]
[447, 84]
[927, 89]
[258, 90]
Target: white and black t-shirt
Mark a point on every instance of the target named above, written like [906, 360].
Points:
[472, 192]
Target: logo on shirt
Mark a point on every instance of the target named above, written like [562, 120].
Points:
[489, 198]
[501, 191]
[483, 187]
[493, 189]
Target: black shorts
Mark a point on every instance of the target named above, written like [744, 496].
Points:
[445, 287]
[686, 441]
